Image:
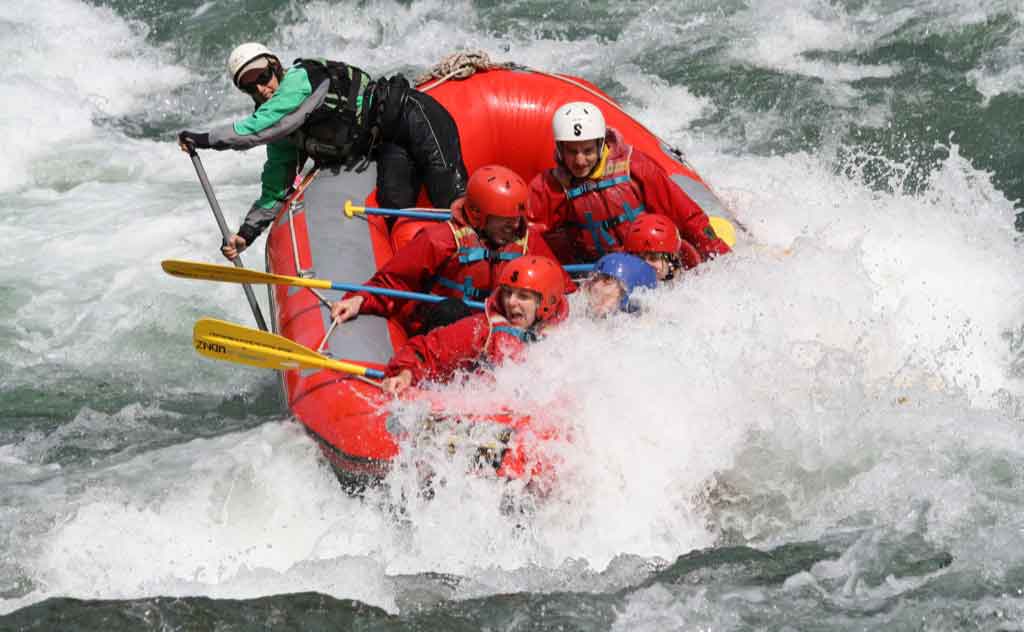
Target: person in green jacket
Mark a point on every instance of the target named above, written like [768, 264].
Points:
[338, 116]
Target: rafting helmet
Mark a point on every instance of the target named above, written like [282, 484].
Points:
[540, 275]
[578, 120]
[494, 190]
[653, 233]
[631, 271]
[245, 54]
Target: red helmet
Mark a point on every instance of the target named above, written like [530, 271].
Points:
[494, 190]
[540, 275]
[653, 233]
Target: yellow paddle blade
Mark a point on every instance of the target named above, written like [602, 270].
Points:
[230, 274]
[725, 230]
[229, 342]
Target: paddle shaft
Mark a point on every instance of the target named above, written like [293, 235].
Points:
[219, 216]
[412, 296]
[397, 212]
[721, 225]
[213, 272]
[578, 268]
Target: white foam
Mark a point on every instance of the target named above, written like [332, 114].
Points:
[89, 258]
[857, 372]
[1000, 70]
[880, 302]
[779, 34]
[70, 66]
[669, 109]
[234, 517]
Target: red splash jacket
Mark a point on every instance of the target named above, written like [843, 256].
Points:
[585, 219]
[478, 341]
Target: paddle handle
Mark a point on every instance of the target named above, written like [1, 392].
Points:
[225, 233]
[351, 210]
[413, 296]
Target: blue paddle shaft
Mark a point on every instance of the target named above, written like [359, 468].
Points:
[413, 296]
[578, 267]
[439, 216]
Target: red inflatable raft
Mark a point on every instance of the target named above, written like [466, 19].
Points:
[504, 117]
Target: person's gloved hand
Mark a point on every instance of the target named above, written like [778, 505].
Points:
[196, 140]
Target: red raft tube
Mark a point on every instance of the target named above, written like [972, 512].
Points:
[504, 117]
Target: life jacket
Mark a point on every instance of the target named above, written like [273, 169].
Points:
[470, 273]
[506, 341]
[601, 206]
[339, 131]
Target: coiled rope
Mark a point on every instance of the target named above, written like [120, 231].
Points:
[460, 66]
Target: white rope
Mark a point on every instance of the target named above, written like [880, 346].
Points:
[327, 336]
[306, 181]
[459, 66]
[376, 383]
[301, 189]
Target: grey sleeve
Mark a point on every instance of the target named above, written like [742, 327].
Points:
[257, 220]
[225, 137]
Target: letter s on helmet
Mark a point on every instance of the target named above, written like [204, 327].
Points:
[245, 54]
[632, 272]
[540, 275]
[578, 120]
[494, 190]
[653, 233]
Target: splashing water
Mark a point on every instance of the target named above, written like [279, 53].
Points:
[834, 408]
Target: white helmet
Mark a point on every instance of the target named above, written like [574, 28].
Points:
[243, 55]
[578, 120]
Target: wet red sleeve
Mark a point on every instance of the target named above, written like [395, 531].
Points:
[537, 245]
[663, 196]
[440, 353]
[409, 270]
[539, 209]
[547, 214]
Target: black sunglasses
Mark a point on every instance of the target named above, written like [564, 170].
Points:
[252, 87]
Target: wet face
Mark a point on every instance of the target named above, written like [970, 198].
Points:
[520, 306]
[657, 261]
[501, 230]
[259, 83]
[604, 294]
[580, 156]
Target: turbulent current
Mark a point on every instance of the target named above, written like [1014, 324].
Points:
[824, 430]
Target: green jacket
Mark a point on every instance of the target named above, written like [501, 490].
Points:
[272, 124]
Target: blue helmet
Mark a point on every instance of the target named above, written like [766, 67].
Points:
[632, 272]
